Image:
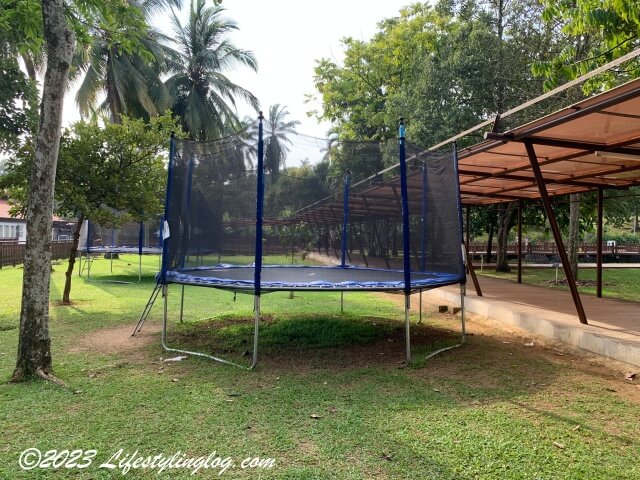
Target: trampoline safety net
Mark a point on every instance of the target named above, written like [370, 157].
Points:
[129, 237]
[314, 211]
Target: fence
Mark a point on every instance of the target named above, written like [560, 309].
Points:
[12, 253]
[549, 248]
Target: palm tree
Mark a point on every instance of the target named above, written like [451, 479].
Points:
[276, 130]
[130, 81]
[203, 97]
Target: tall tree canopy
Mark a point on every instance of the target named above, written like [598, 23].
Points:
[588, 34]
[202, 95]
[130, 81]
[278, 131]
[442, 68]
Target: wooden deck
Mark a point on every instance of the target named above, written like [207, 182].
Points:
[619, 315]
[614, 325]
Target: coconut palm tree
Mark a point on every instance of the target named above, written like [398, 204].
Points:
[130, 81]
[277, 129]
[203, 97]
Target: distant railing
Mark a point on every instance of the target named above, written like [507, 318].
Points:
[549, 248]
[12, 253]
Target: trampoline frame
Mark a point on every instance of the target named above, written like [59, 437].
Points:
[163, 282]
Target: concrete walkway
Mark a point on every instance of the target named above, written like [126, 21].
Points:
[614, 325]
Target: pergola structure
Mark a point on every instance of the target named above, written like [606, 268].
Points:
[592, 145]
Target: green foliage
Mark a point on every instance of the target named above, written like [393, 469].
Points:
[21, 23]
[590, 33]
[278, 131]
[18, 109]
[442, 68]
[202, 96]
[354, 95]
[296, 188]
[110, 174]
[119, 27]
[130, 79]
[621, 206]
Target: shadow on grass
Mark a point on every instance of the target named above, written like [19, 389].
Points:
[344, 340]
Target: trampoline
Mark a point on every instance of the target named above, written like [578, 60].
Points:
[307, 277]
[138, 238]
[229, 226]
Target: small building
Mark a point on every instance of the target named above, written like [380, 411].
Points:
[13, 229]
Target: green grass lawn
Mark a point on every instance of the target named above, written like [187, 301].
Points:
[329, 400]
[621, 283]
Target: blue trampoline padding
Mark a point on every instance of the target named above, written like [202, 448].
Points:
[303, 277]
[124, 249]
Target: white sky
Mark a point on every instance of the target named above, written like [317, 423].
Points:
[287, 36]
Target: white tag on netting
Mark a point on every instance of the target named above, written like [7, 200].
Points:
[165, 230]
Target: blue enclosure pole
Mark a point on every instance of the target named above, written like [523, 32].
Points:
[112, 246]
[405, 213]
[258, 258]
[423, 236]
[140, 245]
[140, 237]
[406, 254]
[165, 220]
[345, 222]
[259, 208]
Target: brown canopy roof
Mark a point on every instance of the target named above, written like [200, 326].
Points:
[593, 143]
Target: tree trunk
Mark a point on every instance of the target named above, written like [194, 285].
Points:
[574, 233]
[113, 97]
[29, 66]
[505, 222]
[34, 344]
[394, 240]
[72, 261]
[492, 226]
[500, 77]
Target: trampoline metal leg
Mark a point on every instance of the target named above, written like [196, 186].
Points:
[165, 294]
[407, 325]
[165, 311]
[463, 292]
[341, 302]
[139, 268]
[256, 328]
